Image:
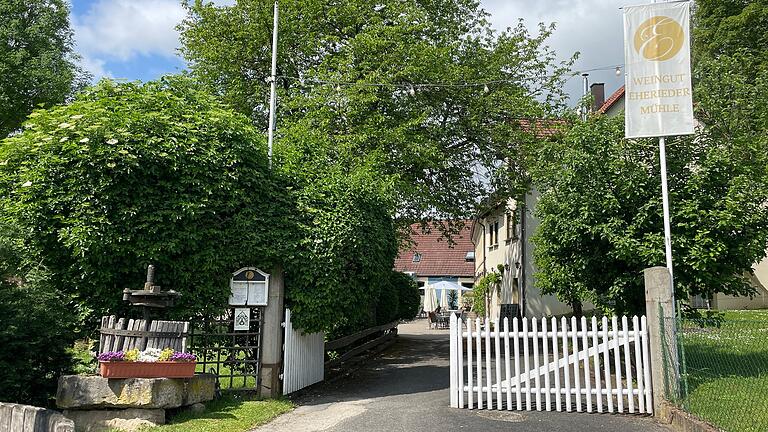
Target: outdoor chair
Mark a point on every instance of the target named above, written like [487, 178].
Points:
[432, 319]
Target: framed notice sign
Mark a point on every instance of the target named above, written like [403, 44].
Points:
[249, 287]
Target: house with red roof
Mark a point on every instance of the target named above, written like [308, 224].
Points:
[431, 257]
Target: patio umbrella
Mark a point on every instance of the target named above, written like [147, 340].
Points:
[444, 300]
[430, 299]
[446, 285]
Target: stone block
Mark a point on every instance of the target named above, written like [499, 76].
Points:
[129, 420]
[94, 392]
[25, 418]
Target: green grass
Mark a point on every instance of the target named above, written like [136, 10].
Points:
[226, 415]
[727, 371]
[224, 370]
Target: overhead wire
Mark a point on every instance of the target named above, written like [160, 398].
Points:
[411, 87]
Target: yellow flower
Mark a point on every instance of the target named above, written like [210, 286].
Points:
[165, 355]
[132, 355]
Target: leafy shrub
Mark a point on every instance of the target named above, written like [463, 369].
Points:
[346, 254]
[132, 174]
[35, 329]
[483, 288]
[387, 306]
[407, 294]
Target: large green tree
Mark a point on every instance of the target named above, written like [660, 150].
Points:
[37, 61]
[601, 221]
[350, 71]
[600, 205]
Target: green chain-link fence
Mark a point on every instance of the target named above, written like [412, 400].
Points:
[723, 368]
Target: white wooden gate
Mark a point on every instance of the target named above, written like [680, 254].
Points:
[303, 357]
[549, 365]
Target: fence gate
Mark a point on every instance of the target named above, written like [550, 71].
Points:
[233, 355]
[303, 358]
[571, 365]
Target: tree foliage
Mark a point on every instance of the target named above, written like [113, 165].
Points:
[37, 62]
[35, 323]
[408, 295]
[601, 214]
[601, 207]
[347, 71]
[368, 149]
[130, 174]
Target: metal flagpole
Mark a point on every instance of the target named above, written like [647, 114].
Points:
[665, 204]
[273, 88]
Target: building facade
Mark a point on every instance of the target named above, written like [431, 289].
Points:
[502, 238]
[432, 258]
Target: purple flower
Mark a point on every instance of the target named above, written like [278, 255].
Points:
[183, 357]
[112, 356]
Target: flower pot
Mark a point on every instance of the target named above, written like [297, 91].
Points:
[122, 369]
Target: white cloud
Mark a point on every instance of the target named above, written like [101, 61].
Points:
[124, 29]
[95, 67]
[592, 27]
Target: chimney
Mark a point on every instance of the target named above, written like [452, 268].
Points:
[598, 95]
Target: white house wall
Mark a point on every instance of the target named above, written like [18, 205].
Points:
[536, 304]
[759, 301]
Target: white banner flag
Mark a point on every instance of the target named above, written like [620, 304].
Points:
[658, 70]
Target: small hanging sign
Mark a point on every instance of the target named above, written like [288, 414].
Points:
[242, 319]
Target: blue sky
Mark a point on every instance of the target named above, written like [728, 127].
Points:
[136, 39]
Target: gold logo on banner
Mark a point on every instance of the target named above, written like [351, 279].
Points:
[659, 38]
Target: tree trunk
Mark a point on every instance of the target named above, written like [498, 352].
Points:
[578, 310]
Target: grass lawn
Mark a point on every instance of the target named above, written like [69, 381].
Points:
[728, 371]
[226, 415]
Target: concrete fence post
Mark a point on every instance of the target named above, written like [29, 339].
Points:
[662, 336]
[272, 336]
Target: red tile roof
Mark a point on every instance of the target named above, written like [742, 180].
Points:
[543, 128]
[437, 257]
[618, 94]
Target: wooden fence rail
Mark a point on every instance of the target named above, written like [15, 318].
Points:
[121, 334]
[389, 329]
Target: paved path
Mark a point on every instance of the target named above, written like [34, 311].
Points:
[406, 389]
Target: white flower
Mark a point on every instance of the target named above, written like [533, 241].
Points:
[150, 355]
[84, 140]
[112, 141]
[64, 139]
[76, 117]
[27, 184]
[63, 125]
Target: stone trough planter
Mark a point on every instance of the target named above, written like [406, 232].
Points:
[147, 369]
[98, 404]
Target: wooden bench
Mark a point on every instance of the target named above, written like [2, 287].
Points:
[121, 334]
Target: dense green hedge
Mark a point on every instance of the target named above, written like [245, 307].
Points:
[408, 295]
[133, 174]
[346, 254]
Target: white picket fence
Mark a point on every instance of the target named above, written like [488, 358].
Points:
[304, 357]
[548, 365]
